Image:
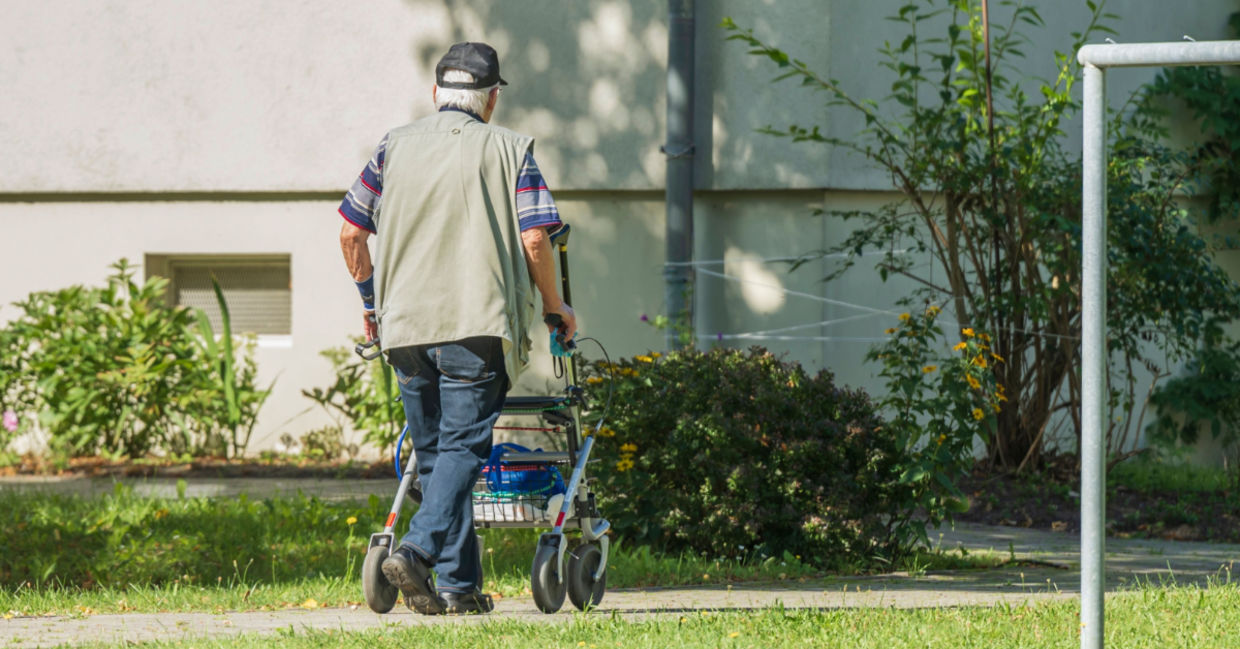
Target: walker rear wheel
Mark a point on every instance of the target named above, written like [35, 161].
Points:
[380, 595]
[545, 580]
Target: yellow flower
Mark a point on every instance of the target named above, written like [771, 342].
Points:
[998, 358]
[643, 358]
[1000, 396]
[929, 368]
[984, 337]
[624, 465]
[594, 380]
[734, 634]
[980, 361]
[606, 432]
[655, 354]
[628, 447]
[933, 311]
[978, 414]
[973, 382]
[942, 438]
[890, 330]
[996, 407]
[959, 346]
[967, 331]
[904, 317]
[352, 520]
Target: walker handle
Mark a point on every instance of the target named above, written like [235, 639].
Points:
[361, 348]
[556, 321]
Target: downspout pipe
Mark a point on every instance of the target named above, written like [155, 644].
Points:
[1095, 59]
[678, 270]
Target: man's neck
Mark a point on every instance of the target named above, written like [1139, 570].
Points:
[462, 110]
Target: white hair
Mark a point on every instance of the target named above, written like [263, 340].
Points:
[474, 101]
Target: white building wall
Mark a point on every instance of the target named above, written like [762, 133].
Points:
[227, 126]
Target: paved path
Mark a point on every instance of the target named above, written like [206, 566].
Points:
[1046, 566]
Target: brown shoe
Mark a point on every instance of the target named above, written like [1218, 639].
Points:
[411, 574]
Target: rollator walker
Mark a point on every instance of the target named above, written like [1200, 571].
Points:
[580, 571]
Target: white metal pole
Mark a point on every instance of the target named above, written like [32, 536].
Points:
[1093, 358]
[1095, 58]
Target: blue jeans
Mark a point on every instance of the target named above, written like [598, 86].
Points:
[453, 393]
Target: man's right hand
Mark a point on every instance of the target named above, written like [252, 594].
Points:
[567, 315]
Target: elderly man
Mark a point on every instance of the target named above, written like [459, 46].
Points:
[460, 214]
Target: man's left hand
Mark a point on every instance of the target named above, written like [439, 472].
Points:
[370, 325]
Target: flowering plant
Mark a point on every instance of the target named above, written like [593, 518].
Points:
[8, 429]
[938, 403]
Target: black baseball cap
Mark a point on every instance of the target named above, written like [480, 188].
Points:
[478, 59]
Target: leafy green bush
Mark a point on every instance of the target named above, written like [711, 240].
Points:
[115, 370]
[1205, 397]
[937, 405]
[738, 454]
[364, 392]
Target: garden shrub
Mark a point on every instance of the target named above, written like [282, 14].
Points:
[365, 393]
[115, 370]
[739, 454]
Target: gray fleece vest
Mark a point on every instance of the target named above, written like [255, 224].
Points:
[449, 263]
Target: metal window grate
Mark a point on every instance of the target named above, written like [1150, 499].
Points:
[258, 291]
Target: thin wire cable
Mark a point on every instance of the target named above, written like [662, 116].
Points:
[793, 338]
[849, 305]
[824, 323]
[809, 296]
[611, 385]
[768, 260]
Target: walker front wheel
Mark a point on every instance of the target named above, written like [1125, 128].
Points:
[583, 590]
[380, 594]
[545, 579]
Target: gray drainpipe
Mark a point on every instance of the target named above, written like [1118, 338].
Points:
[679, 150]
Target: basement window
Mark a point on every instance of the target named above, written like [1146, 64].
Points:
[257, 289]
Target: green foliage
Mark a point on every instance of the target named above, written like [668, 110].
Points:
[1206, 397]
[115, 370]
[1213, 97]
[365, 393]
[992, 198]
[326, 443]
[737, 454]
[225, 423]
[936, 407]
[121, 539]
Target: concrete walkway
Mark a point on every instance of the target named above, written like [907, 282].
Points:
[1044, 565]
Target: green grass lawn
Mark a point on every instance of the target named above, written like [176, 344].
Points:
[1150, 617]
[120, 552]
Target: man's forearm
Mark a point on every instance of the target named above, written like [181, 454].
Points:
[356, 252]
[538, 256]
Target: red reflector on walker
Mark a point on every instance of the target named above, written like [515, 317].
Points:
[559, 520]
[391, 519]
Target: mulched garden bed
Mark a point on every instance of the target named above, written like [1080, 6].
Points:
[203, 468]
[1051, 501]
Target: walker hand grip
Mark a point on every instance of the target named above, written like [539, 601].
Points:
[557, 321]
[361, 348]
